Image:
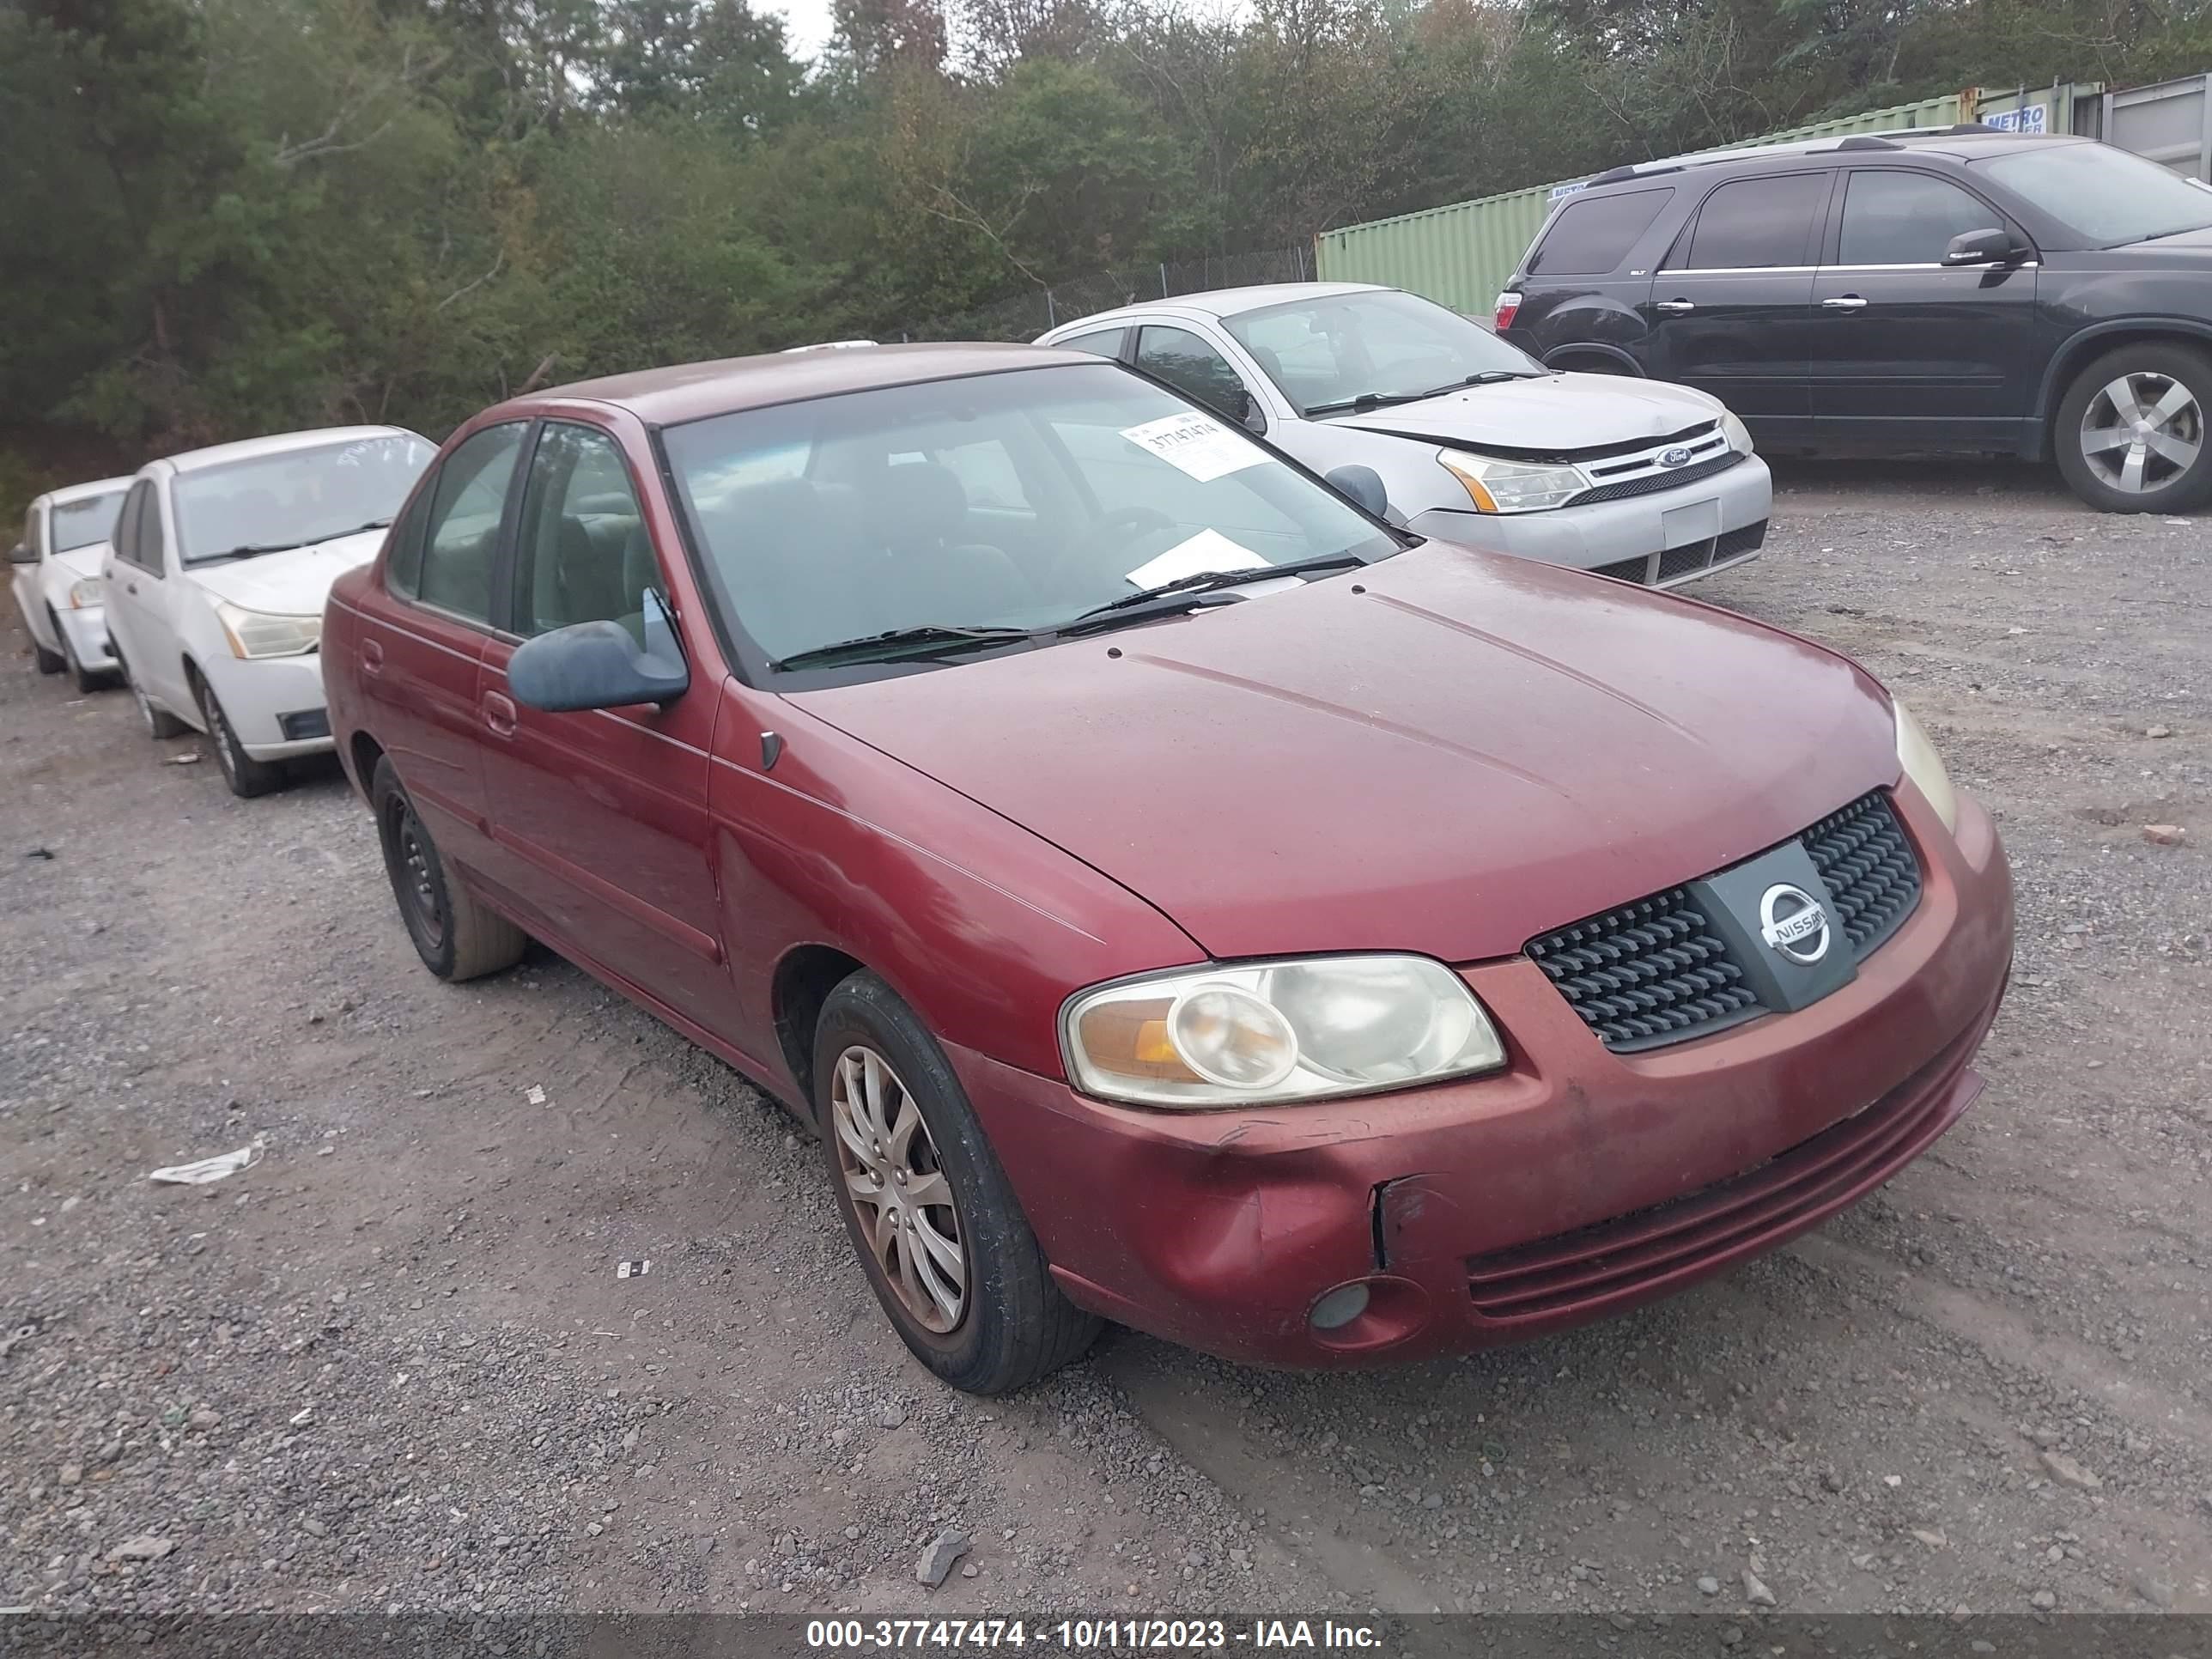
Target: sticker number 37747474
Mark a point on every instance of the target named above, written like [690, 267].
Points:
[1196, 444]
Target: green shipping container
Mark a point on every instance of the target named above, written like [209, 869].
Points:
[1462, 254]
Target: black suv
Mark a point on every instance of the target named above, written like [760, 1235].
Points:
[1965, 289]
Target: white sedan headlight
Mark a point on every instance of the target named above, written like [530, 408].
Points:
[1272, 1031]
[267, 634]
[1916, 753]
[85, 594]
[1513, 486]
[1737, 434]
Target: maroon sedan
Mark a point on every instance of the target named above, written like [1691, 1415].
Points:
[1175, 894]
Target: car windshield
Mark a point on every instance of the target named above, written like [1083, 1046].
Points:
[80, 523]
[1015, 502]
[297, 497]
[1345, 352]
[2106, 196]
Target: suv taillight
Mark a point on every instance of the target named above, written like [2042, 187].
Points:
[1509, 303]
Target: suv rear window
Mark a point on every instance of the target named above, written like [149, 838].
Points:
[1593, 233]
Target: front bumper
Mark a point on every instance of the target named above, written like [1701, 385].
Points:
[259, 696]
[1705, 526]
[1576, 1183]
[87, 628]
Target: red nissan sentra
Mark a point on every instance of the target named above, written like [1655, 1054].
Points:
[1175, 895]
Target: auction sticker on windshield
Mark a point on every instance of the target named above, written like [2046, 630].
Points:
[1196, 444]
[1208, 550]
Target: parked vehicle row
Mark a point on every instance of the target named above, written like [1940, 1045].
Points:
[2049, 298]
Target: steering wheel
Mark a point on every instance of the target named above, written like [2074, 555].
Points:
[1077, 569]
[1134, 521]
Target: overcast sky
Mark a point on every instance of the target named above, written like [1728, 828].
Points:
[806, 24]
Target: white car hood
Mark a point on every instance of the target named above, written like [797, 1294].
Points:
[83, 562]
[293, 583]
[1558, 414]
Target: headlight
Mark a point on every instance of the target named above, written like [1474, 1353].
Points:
[86, 593]
[1270, 1031]
[1737, 434]
[265, 634]
[1916, 753]
[1513, 486]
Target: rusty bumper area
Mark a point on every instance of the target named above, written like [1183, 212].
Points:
[1575, 1183]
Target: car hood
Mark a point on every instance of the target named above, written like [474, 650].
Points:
[1471, 751]
[293, 583]
[83, 560]
[1559, 414]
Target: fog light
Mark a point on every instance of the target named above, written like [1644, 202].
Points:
[1340, 1307]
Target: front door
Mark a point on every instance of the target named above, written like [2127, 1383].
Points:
[1904, 346]
[1731, 309]
[601, 814]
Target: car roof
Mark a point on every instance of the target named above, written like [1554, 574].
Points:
[692, 392]
[1224, 301]
[254, 449]
[1951, 142]
[69, 493]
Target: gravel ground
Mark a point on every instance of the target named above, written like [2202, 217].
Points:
[393, 1364]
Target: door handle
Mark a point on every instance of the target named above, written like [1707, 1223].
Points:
[1675, 305]
[1845, 302]
[130, 588]
[499, 714]
[372, 656]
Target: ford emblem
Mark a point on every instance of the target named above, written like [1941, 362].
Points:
[1674, 457]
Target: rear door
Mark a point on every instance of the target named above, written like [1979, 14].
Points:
[1730, 310]
[137, 599]
[1904, 346]
[601, 814]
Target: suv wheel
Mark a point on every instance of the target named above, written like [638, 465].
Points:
[456, 936]
[945, 1246]
[2130, 433]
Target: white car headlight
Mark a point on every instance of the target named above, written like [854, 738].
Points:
[1257, 1033]
[1916, 753]
[85, 594]
[1737, 434]
[1513, 486]
[266, 634]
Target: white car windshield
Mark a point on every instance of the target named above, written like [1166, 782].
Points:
[1363, 350]
[2106, 196]
[80, 523]
[959, 514]
[298, 497]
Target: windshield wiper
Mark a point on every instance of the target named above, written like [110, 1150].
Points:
[1367, 400]
[1483, 377]
[879, 647]
[246, 552]
[1188, 592]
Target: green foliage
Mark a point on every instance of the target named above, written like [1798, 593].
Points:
[230, 216]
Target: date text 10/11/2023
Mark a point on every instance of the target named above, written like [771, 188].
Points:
[1087, 1635]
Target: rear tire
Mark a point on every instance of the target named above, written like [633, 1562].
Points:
[457, 936]
[928, 1185]
[50, 662]
[2130, 435]
[161, 723]
[247, 776]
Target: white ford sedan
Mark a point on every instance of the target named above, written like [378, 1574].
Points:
[216, 577]
[57, 579]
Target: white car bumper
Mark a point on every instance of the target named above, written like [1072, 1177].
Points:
[276, 705]
[86, 628]
[1659, 539]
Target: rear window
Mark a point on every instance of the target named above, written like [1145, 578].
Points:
[1593, 233]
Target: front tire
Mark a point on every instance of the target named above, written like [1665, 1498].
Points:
[2130, 433]
[939, 1232]
[85, 680]
[50, 662]
[247, 776]
[455, 935]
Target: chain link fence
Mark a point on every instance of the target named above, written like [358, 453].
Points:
[1025, 315]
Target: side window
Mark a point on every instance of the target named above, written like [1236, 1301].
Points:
[129, 539]
[1106, 342]
[403, 569]
[1592, 234]
[1194, 368]
[461, 538]
[32, 541]
[153, 539]
[1893, 217]
[1748, 224]
[583, 553]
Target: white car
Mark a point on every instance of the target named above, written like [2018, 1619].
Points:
[1471, 439]
[57, 578]
[216, 577]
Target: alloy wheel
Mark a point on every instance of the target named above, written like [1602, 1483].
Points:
[2140, 432]
[219, 734]
[899, 1191]
[145, 709]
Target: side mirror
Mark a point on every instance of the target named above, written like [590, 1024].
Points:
[19, 554]
[1980, 247]
[598, 664]
[1364, 484]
